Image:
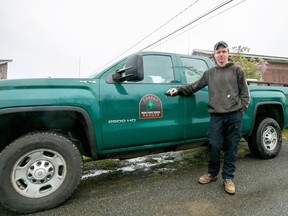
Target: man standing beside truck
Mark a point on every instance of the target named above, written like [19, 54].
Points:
[228, 100]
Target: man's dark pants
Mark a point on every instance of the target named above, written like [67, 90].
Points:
[224, 133]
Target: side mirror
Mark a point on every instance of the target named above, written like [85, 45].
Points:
[132, 71]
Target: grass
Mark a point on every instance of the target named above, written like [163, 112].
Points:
[285, 133]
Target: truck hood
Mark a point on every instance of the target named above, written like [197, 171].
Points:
[46, 82]
[48, 92]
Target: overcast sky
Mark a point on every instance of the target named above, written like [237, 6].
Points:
[72, 38]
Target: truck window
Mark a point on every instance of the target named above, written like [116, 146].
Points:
[193, 68]
[157, 69]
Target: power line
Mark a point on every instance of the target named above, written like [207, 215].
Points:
[189, 23]
[179, 29]
[163, 25]
[201, 22]
[151, 33]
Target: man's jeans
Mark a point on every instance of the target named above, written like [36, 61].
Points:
[224, 133]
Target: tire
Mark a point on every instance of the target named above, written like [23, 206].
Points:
[266, 139]
[38, 171]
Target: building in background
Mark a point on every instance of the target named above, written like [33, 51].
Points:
[4, 68]
[277, 68]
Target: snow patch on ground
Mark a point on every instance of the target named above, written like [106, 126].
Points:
[140, 163]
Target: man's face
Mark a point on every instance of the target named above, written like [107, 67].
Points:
[221, 55]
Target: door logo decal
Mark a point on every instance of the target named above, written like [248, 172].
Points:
[150, 106]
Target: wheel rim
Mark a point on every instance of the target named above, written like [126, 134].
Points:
[38, 173]
[270, 138]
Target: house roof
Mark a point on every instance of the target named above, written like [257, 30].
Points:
[275, 59]
[4, 61]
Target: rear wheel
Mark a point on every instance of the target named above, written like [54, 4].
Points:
[266, 138]
[38, 171]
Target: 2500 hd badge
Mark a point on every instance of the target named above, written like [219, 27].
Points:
[120, 121]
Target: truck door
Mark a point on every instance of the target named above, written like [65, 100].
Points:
[197, 116]
[138, 113]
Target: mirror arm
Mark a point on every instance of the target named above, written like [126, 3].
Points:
[125, 77]
[118, 72]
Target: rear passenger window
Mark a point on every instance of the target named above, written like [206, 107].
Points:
[193, 68]
[157, 69]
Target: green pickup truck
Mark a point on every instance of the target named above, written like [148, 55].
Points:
[47, 125]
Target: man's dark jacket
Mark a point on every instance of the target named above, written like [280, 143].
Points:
[227, 88]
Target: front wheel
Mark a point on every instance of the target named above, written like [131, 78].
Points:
[38, 171]
[266, 138]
